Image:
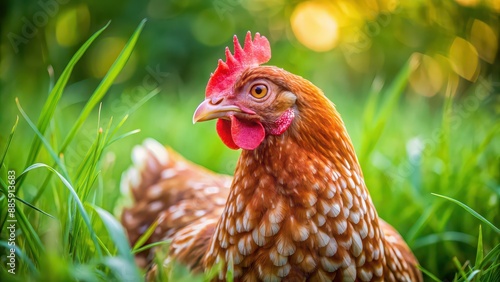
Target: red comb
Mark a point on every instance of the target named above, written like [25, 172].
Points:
[254, 53]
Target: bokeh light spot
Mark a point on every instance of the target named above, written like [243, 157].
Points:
[315, 26]
[485, 40]
[468, 3]
[427, 77]
[103, 56]
[210, 29]
[495, 5]
[72, 25]
[463, 59]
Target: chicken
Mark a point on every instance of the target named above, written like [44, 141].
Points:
[297, 208]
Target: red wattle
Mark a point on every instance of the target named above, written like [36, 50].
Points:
[238, 133]
[224, 130]
[247, 134]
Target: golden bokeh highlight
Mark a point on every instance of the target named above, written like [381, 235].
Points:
[484, 40]
[495, 5]
[72, 25]
[390, 5]
[450, 77]
[369, 9]
[103, 56]
[464, 59]
[348, 12]
[426, 78]
[314, 25]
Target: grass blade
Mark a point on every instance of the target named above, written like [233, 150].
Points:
[460, 268]
[145, 236]
[79, 204]
[392, 93]
[473, 274]
[429, 274]
[370, 108]
[480, 252]
[105, 84]
[490, 256]
[149, 246]
[22, 256]
[35, 208]
[9, 141]
[144, 100]
[471, 211]
[97, 95]
[118, 236]
[122, 269]
[116, 232]
[125, 135]
[32, 239]
[443, 237]
[42, 139]
[54, 97]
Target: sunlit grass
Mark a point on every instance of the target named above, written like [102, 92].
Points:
[66, 212]
[453, 153]
[62, 234]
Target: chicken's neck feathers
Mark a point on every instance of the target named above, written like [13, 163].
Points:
[297, 199]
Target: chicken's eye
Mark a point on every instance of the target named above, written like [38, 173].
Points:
[259, 91]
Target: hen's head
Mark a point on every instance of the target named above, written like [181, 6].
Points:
[251, 101]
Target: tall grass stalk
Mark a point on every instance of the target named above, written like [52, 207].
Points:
[61, 233]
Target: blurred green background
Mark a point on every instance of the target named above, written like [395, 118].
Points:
[352, 50]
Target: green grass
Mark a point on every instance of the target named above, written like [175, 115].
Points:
[433, 174]
[62, 233]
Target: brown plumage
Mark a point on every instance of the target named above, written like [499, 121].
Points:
[173, 191]
[297, 209]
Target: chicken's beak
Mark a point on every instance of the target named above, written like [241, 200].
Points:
[209, 110]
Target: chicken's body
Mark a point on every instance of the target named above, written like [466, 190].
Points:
[297, 209]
